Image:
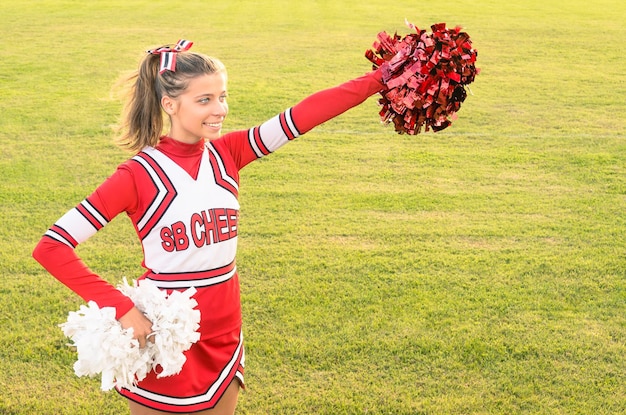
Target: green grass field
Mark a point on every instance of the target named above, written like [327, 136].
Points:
[479, 270]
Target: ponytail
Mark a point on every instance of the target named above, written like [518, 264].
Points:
[142, 116]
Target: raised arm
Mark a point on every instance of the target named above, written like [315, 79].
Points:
[246, 146]
[329, 103]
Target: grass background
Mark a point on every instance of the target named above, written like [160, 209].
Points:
[479, 270]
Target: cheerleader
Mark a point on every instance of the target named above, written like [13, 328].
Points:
[180, 190]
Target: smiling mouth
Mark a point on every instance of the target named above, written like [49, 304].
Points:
[213, 124]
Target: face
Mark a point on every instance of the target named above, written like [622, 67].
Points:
[199, 111]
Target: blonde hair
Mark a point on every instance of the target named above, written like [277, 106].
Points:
[142, 117]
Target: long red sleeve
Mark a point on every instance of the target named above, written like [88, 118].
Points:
[115, 195]
[62, 262]
[307, 114]
[329, 103]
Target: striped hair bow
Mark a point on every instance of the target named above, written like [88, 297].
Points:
[168, 54]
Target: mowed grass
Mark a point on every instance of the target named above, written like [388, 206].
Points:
[479, 270]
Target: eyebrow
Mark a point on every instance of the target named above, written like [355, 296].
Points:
[210, 95]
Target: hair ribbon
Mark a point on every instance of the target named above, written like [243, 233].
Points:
[168, 54]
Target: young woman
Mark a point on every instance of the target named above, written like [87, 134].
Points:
[180, 191]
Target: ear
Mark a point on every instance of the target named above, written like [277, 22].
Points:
[169, 105]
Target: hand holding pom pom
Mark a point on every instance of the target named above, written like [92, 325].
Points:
[138, 322]
[174, 323]
[105, 348]
[425, 75]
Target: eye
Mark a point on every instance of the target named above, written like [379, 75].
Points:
[204, 100]
[223, 97]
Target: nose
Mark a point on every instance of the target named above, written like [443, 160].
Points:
[221, 109]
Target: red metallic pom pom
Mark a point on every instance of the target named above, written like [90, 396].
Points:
[425, 75]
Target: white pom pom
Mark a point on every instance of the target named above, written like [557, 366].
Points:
[105, 348]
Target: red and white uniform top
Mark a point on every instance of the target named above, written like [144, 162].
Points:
[190, 225]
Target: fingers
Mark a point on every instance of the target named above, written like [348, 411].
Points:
[145, 336]
[142, 327]
[143, 342]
